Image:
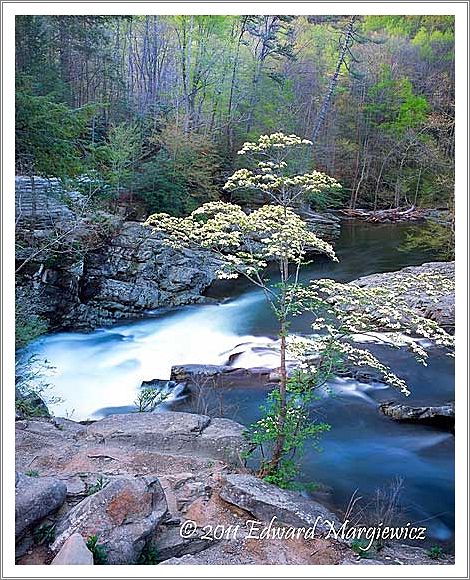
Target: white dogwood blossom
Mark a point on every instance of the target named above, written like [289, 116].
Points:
[273, 177]
[343, 310]
[244, 243]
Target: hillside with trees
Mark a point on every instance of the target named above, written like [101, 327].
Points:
[152, 109]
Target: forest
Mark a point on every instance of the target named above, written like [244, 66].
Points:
[149, 111]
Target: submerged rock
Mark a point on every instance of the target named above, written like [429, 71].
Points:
[439, 416]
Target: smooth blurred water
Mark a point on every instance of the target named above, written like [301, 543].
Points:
[100, 372]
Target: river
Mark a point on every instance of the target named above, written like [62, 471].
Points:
[100, 372]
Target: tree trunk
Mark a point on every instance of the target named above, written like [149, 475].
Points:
[279, 444]
[346, 45]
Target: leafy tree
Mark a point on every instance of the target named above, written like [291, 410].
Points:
[245, 245]
[49, 136]
[181, 176]
[123, 146]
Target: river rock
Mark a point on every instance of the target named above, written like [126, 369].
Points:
[264, 501]
[137, 272]
[442, 310]
[170, 544]
[443, 415]
[173, 432]
[35, 498]
[122, 515]
[219, 375]
[74, 552]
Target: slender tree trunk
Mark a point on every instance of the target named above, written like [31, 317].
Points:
[279, 444]
[345, 47]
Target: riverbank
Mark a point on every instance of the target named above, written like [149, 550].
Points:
[135, 481]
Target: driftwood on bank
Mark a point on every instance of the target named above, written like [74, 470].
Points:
[387, 215]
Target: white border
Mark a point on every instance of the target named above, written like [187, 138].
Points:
[459, 9]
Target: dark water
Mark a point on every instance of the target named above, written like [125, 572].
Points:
[100, 373]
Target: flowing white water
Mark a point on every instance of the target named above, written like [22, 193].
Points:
[100, 373]
[105, 368]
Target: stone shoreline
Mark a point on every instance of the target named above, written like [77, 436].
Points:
[132, 480]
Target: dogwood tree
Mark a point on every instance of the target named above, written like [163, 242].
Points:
[245, 244]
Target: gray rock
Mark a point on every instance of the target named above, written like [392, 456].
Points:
[172, 432]
[35, 498]
[122, 515]
[126, 271]
[442, 310]
[170, 544]
[439, 416]
[219, 375]
[264, 501]
[223, 439]
[137, 272]
[74, 552]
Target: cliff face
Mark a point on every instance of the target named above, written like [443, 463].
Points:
[136, 272]
[85, 268]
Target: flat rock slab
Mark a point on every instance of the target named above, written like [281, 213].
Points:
[265, 501]
[74, 552]
[35, 498]
[122, 515]
[172, 432]
[220, 375]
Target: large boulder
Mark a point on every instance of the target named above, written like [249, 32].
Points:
[438, 416]
[440, 308]
[136, 271]
[172, 432]
[266, 501]
[35, 498]
[122, 516]
[123, 269]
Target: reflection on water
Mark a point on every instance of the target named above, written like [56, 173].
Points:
[100, 373]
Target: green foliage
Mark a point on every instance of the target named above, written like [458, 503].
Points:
[27, 406]
[123, 147]
[359, 547]
[436, 553]
[180, 176]
[149, 555]
[297, 429]
[156, 105]
[394, 106]
[98, 550]
[32, 473]
[149, 399]
[44, 534]
[49, 135]
[100, 484]
[28, 325]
